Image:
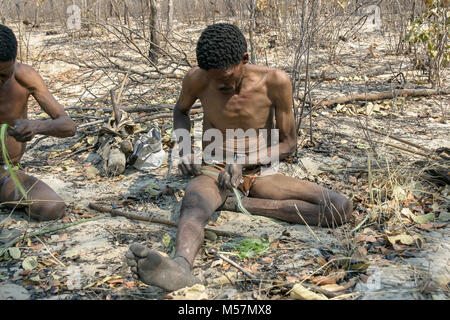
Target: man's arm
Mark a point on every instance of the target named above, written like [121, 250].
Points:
[191, 87]
[279, 90]
[60, 125]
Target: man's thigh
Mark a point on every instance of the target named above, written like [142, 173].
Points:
[36, 189]
[280, 187]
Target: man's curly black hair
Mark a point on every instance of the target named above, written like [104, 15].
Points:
[8, 44]
[220, 46]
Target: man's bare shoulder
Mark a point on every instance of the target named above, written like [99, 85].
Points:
[26, 76]
[196, 77]
[278, 79]
[275, 78]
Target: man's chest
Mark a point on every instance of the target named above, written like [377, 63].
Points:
[244, 110]
[13, 100]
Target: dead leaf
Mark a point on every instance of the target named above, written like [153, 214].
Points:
[367, 238]
[322, 280]
[309, 262]
[275, 244]
[299, 292]
[333, 287]
[311, 166]
[267, 260]
[225, 279]
[425, 226]
[321, 261]
[36, 247]
[339, 275]
[196, 292]
[92, 172]
[403, 239]
[62, 237]
[291, 279]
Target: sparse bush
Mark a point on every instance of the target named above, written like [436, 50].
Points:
[428, 37]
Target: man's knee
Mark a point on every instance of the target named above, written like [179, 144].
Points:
[48, 210]
[195, 204]
[340, 208]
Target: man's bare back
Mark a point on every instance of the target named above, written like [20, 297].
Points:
[234, 95]
[17, 83]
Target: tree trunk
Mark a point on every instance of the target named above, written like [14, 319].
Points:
[251, 29]
[36, 15]
[169, 16]
[126, 16]
[154, 37]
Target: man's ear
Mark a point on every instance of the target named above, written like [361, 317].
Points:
[245, 58]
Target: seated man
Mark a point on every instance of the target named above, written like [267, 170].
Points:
[234, 95]
[17, 83]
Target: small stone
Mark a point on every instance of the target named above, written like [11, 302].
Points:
[212, 236]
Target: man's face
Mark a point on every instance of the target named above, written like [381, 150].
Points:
[228, 80]
[6, 71]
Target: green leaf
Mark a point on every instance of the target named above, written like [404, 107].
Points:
[423, 218]
[167, 240]
[250, 247]
[29, 263]
[14, 252]
[153, 190]
[444, 216]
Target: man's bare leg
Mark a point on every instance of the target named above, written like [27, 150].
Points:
[200, 201]
[277, 195]
[47, 206]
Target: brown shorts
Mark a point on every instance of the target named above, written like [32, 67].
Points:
[249, 175]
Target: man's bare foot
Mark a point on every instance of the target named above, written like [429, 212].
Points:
[154, 269]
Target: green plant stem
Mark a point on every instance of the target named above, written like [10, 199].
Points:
[5, 156]
[235, 191]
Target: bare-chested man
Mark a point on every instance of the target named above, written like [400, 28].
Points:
[234, 95]
[17, 82]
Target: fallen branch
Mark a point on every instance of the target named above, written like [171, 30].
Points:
[151, 108]
[115, 212]
[234, 264]
[395, 138]
[92, 123]
[420, 153]
[154, 117]
[334, 76]
[383, 95]
[76, 152]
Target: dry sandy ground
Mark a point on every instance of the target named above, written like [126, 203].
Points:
[87, 261]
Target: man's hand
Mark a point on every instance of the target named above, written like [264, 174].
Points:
[188, 167]
[24, 129]
[231, 176]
